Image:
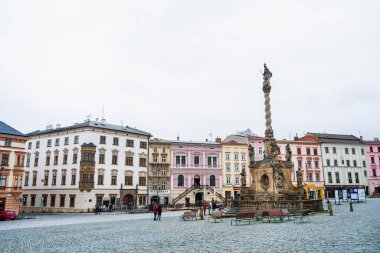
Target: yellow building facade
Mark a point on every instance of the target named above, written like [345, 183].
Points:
[234, 160]
[159, 185]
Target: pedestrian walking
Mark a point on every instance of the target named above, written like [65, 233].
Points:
[155, 211]
[159, 212]
[213, 206]
[97, 208]
[209, 207]
[204, 207]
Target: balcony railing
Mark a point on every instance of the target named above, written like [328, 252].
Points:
[197, 166]
[87, 163]
[88, 186]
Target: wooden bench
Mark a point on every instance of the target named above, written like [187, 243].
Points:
[285, 213]
[303, 214]
[188, 215]
[274, 215]
[244, 216]
[216, 216]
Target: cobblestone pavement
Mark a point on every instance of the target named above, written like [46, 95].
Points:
[344, 232]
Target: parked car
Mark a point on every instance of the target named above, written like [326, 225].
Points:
[8, 215]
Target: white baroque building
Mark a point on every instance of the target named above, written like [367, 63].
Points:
[344, 162]
[70, 169]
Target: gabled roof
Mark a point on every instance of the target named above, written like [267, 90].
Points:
[92, 124]
[7, 129]
[336, 138]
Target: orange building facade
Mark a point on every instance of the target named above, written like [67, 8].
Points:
[12, 143]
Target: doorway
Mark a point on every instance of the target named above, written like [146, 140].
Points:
[197, 180]
[187, 202]
[199, 198]
[128, 200]
[2, 204]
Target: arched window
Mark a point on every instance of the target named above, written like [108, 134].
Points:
[181, 181]
[212, 180]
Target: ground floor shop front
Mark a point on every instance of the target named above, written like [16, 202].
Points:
[75, 201]
[10, 201]
[197, 196]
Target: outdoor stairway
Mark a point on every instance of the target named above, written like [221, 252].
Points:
[191, 188]
[183, 194]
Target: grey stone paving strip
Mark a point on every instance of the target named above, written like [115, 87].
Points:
[345, 232]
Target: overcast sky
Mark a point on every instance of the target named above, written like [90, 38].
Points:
[192, 67]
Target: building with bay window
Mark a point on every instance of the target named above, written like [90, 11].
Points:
[12, 144]
[159, 171]
[196, 172]
[71, 169]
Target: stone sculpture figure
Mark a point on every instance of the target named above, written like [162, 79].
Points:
[251, 152]
[274, 148]
[299, 178]
[288, 155]
[267, 74]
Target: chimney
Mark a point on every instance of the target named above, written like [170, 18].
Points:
[206, 140]
[48, 127]
[103, 122]
[296, 138]
[177, 138]
[376, 139]
[96, 121]
[218, 140]
[361, 137]
[58, 126]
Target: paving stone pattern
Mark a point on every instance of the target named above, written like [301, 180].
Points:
[344, 232]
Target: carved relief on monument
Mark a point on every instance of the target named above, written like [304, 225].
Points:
[264, 182]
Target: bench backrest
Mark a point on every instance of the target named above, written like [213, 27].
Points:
[285, 212]
[218, 215]
[275, 213]
[244, 215]
[305, 213]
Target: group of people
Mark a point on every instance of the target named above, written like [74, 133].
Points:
[157, 211]
[207, 205]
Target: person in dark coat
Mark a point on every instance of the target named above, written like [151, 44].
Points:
[159, 212]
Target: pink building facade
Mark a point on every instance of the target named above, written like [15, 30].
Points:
[196, 173]
[306, 155]
[373, 160]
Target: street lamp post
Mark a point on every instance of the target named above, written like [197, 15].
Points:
[158, 183]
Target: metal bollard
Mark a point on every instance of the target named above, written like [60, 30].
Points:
[201, 214]
[351, 207]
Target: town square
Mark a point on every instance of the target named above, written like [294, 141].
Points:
[344, 232]
[175, 126]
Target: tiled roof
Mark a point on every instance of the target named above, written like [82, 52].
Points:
[158, 140]
[92, 124]
[6, 129]
[336, 138]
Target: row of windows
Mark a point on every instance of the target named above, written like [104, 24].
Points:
[57, 142]
[371, 149]
[54, 202]
[86, 157]
[308, 164]
[211, 161]
[346, 150]
[236, 157]
[5, 160]
[347, 164]
[181, 180]
[228, 180]
[337, 178]
[128, 143]
[236, 167]
[128, 180]
[155, 149]
[308, 151]
[373, 159]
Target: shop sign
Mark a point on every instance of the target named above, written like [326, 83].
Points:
[361, 194]
[354, 194]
